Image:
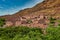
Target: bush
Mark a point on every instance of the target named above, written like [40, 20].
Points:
[2, 22]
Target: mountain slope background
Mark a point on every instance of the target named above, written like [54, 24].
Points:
[37, 16]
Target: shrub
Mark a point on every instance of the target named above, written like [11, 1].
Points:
[2, 22]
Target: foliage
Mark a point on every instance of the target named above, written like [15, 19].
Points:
[53, 33]
[25, 33]
[2, 21]
[29, 21]
[52, 21]
[20, 33]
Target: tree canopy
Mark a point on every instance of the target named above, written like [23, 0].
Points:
[2, 22]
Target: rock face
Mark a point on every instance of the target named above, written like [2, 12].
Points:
[37, 16]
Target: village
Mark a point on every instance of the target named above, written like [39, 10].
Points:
[29, 20]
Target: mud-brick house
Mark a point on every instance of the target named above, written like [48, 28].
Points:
[8, 23]
[17, 23]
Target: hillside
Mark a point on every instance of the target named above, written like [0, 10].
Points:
[37, 16]
[46, 4]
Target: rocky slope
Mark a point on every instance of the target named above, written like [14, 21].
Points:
[37, 16]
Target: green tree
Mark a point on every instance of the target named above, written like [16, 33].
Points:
[52, 21]
[2, 22]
